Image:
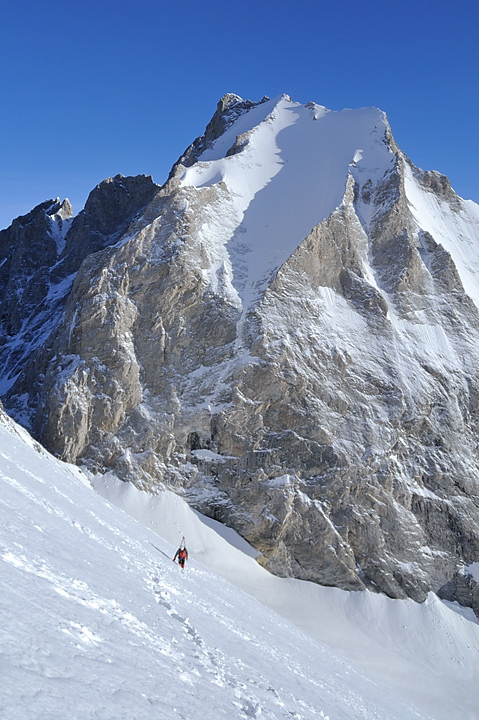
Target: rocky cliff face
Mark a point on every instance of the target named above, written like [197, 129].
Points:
[40, 254]
[286, 333]
[28, 250]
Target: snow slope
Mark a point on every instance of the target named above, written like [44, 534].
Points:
[309, 151]
[456, 229]
[99, 623]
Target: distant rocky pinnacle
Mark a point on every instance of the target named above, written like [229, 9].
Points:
[286, 333]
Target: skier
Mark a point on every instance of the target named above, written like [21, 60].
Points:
[182, 555]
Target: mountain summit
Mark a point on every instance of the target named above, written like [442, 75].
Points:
[286, 334]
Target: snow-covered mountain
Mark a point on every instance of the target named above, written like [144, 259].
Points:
[98, 622]
[287, 333]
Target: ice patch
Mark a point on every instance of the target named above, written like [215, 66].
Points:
[210, 456]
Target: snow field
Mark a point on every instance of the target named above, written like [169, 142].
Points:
[99, 623]
[424, 652]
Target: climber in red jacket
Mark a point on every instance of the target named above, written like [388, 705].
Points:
[182, 555]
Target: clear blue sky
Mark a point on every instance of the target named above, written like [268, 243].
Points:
[91, 89]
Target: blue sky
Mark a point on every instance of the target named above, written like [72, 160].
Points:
[92, 89]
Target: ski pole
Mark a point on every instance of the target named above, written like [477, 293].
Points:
[161, 551]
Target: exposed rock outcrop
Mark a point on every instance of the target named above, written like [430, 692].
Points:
[41, 252]
[109, 210]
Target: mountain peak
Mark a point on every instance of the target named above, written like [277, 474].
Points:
[228, 100]
[302, 305]
[229, 108]
[290, 163]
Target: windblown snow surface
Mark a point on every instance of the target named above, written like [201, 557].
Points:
[98, 623]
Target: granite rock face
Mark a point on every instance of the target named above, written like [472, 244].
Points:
[40, 254]
[286, 334]
[28, 248]
[108, 211]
